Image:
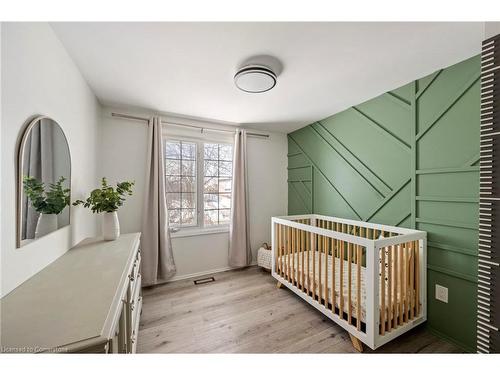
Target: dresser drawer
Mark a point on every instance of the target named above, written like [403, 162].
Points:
[136, 293]
[135, 324]
[134, 274]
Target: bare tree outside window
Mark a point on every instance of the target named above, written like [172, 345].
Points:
[180, 174]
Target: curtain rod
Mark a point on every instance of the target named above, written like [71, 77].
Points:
[145, 119]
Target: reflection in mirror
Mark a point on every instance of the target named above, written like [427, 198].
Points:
[44, 174]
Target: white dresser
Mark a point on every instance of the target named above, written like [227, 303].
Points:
[88, 300]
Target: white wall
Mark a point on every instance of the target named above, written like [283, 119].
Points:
[123, 148]
[38, 77]
[491, 29]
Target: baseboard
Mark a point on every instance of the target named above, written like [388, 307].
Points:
[205, 273]
[450, 339]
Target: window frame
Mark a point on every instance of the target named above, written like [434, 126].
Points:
[200, 227]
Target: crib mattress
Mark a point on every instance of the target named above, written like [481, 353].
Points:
[297, 267]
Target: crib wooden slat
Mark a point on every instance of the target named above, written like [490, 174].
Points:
[400, 284]
[417, 277]
[396, 285]
[332, 290]
[389, 287]
[320, 250]
[358, 284]
[288, 249]
[300, 268]
[408, 283]
[314, 266]
[338, 228]
[308, 246]
[412, 285]
[292, 267]
[331, 240]
[277, 248]
[282, 249]
[341, 284]
[404, 283]
[302, 257]
[408, 289]
[325, 248]
[302, 250]
[349, 282]
[296, 258]
[382, 291]
[326, 272]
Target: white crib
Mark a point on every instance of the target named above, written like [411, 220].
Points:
[335, 265]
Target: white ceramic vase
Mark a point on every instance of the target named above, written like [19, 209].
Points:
[46, 223]
[110, 226]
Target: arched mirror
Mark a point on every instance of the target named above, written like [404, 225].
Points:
[44, 181]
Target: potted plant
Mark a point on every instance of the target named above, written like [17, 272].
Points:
[107, 200]
[48, 203]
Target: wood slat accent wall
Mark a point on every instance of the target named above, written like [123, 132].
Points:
[488, 303]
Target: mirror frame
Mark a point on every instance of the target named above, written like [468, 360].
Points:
[20, 168]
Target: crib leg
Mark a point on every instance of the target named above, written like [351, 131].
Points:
[278, 285]
[356, 343]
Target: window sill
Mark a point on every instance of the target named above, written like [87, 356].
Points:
[189, 232]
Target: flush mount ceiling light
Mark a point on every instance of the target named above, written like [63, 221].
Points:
[255, 78]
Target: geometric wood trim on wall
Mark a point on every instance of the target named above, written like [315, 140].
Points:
[409, 157]
[488, 293]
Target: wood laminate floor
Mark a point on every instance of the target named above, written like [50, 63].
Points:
[244, 312]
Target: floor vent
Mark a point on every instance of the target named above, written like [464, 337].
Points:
[205, 280]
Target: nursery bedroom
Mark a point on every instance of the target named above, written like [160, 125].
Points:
[246, 186]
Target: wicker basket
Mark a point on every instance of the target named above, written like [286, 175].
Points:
[264, 257]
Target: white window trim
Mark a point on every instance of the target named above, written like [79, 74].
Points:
[180, 232]
[200, 228]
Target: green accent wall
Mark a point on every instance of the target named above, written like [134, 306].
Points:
[408, 157]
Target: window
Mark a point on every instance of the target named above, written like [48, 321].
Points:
[198, 183]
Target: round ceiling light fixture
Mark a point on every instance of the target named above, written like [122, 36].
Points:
[255, 78]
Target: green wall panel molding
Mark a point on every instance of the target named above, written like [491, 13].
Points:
[408, 157]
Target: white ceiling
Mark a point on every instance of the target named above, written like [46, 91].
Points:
[188, 68]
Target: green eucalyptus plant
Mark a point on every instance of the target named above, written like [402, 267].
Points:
[51, 201]
[107, 198]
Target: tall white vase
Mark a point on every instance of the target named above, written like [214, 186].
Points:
[46, 223]
[110, 226]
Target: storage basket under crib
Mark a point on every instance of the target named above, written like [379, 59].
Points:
[368, 278]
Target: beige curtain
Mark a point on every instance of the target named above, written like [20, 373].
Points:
[157, 257]
[240, 254]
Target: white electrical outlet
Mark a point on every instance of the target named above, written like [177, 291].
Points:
[441, 293]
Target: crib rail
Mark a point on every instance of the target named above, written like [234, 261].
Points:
[367, 277]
